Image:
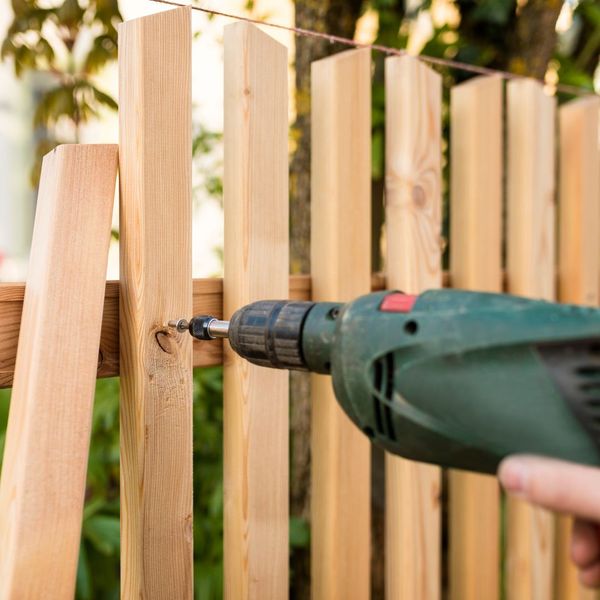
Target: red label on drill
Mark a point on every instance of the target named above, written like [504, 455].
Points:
[398, 302]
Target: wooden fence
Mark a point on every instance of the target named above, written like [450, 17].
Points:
[504, 140]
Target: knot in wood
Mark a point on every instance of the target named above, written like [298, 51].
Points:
[419, 196]
[166, 341]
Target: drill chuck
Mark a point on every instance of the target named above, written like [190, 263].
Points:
[267, 333]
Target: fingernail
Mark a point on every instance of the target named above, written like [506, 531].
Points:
[513, 477]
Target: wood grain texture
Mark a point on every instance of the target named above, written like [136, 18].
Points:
[413, 265]
[48, 435]
[579, 260]
[475, 263]
[256, 267]
[156, 285]
[341, 266]
[579, 264]
[531, 272]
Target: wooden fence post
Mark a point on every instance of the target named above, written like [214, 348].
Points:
[579, 263]
[48, 435]
[256, 268]
[341, 270]
[476, 264]
[156, 285]
[413, 265]
[531, 272]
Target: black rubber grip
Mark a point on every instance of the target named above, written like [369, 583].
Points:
[574, 366]
[269, 333]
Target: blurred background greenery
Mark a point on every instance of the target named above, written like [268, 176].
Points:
[69, 42]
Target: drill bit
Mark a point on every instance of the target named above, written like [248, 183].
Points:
[202, 327]
[180, 325]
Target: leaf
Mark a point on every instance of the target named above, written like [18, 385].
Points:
[44, 146]
[44, 49]
[299, 533]
[8, 48]
[92, 507]
[591, 10]
[83, 584]
[104, 49]
[377, 153]
[493, 11]
[103, 532]
[54, 104]
[208, 581]
[70, 14]
[107, 11]
[104, 99]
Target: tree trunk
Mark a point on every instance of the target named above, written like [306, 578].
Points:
[337, 17]
[534, 40]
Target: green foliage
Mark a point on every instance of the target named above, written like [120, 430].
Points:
[208, 483]
[98, 572]
[98, 568]
[205, 163]
[4, 404]
[578, 58]
[66, 43]
[299, 533]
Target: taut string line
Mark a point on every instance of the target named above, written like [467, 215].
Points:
[333, 39]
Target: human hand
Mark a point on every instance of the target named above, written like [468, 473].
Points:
[566, 488]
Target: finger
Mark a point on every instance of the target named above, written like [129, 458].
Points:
[554, 484]
[585, 543]
[590, 577]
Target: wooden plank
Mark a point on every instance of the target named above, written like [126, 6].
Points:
[413, 264]
[579, 263]
[341, 266]
[46, 454]
[156, 285]
[531, 272]
[11, 307]
[579, 260]
[256, 267]
[475, 263]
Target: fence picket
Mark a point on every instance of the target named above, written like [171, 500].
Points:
[48, 434]
[256, 268]
[155, 121]
[578, 265]
[341, 270]
[531, 272]
[475, 263]
[413, 265]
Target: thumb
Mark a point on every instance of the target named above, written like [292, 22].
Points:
[553, 484]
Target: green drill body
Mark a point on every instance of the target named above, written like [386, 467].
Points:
[458, 379]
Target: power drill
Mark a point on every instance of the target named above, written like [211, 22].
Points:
[459, 379]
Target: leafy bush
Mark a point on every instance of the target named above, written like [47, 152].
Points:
[98, 569]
